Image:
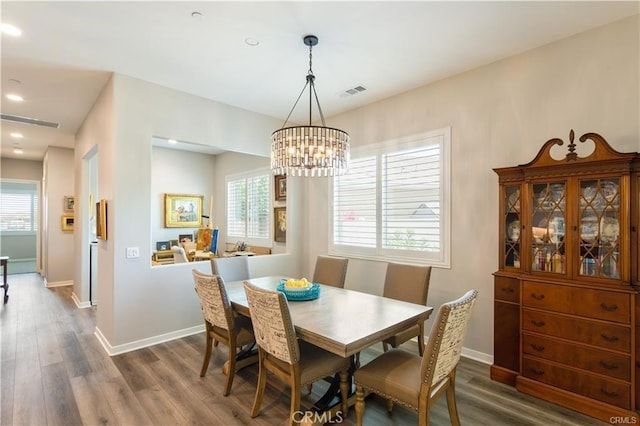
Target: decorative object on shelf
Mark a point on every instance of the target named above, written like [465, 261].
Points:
[309, 150]
[69, 203]
[67, 222]
[205, 237]
[163, 246]
[101, 219]
[183, 211]
[280, 224]
[185, 238]
[280, 187]
[173, 243]
[513, 230]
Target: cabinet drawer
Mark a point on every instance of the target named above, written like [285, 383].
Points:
[578, 356]
[600, 304]
[507, 289]
[608, 336]
[606, 390]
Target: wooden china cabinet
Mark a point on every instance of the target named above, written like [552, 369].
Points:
[567, 302]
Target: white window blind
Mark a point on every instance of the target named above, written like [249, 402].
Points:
[18, 207]
[248, 207]
[393, 204]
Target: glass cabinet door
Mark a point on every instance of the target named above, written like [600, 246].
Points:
[548, 218]
[512, 226]
[599, 229]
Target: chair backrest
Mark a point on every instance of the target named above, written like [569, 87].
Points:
[189, 246]
[216, 308]
[408, 283]
[231, 268]
[179, 256]
[445, 340]
[272, 325]
[330, 271]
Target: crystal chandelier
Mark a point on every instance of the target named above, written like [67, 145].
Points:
[309, 150]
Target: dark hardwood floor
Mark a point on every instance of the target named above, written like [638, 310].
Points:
[54, 372]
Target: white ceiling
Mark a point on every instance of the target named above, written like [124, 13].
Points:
[68, 50]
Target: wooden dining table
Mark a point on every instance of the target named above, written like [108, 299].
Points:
[341, 321]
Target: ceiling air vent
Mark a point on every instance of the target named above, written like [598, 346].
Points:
[27, 120]
[353, 91]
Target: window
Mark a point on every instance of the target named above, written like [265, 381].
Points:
[18, 207]
[248, 207]
[393, 204]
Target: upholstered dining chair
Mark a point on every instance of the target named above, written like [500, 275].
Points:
[179, 256]
[330, 271]
[408, 283]
[414, 381]
[280, 352]
[234, 268]
[222, 325]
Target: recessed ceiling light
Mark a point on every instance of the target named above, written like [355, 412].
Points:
[18, 151]
[16, 135]
[9, 29]
[250, 41]
[172, 141]
[14, 97]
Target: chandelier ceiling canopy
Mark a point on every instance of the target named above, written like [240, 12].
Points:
[309, 150]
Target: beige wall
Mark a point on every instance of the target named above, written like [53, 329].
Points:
[12, 168]
[500, 115]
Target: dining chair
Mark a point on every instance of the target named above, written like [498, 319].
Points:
[280, 352]
[417, 382]
[408, 283]
[222, 325]
[330, 271]
[179, 256]
[234, 268]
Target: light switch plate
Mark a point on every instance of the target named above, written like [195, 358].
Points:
[133, 252]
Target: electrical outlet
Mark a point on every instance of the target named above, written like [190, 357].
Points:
[133, 252]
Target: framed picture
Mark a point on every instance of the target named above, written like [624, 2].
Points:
[162, 245]
[185, 238]
[67, 222]
[174, 243]
[69, 203]
[183, 211]
[280, 224]
[281, 187]
[101, 219]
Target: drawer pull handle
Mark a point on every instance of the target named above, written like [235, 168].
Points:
[609, 308]
[538, 348]
[608, 366]
[537, 296]
[507, 289]
[609, 394]
[609, 338]
[537, 323]
[537, 372]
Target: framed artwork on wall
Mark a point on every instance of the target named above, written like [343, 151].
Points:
[281, 187]
[101, 219]
[67, 222]
[183, 211]
[280, 224]
[162, 245]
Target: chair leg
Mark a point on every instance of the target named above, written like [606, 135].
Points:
[262, 381]
[385, 346]
[215, 343]
[359, 405]
[296, 390]
[389, 406]
[421, 340]
[451, 399]
[207, 355]
[232, 368]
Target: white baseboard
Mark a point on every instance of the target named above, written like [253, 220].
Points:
[143, 343]
[78, 303]
[57, 283]
[478, 356]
